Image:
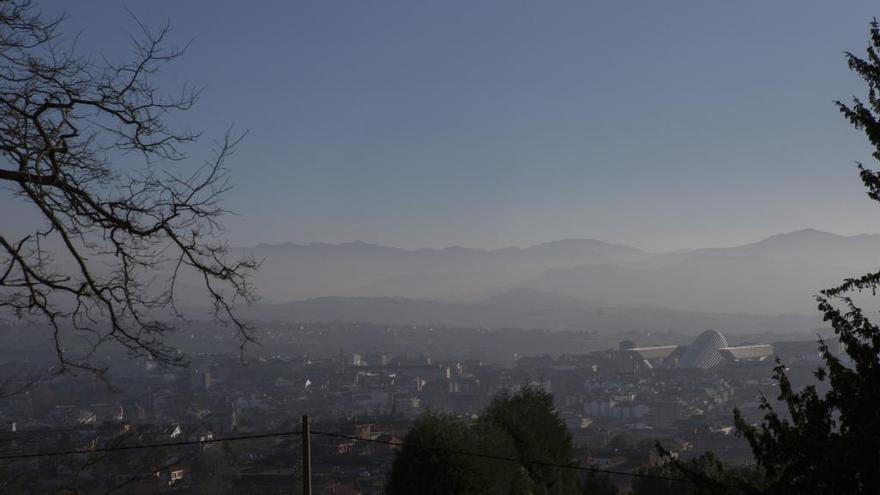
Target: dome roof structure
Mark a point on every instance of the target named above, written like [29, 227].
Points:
[703, 352]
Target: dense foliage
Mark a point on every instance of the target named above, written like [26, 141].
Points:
[597, 483]
[521, 427]
[705, 474]
[538, 434]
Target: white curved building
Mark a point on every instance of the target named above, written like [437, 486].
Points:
[704, 352]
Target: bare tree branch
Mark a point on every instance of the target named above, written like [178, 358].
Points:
[63, 121]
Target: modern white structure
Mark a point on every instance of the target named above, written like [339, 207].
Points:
[708, 350]
[704, 352]
[757, 352]
[649, 357]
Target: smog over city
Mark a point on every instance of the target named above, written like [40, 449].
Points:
[485, 247]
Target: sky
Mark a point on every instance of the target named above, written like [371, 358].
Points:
[662, 125]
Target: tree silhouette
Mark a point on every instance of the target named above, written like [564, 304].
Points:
[827, 443]
[431, 461]
[65, 122]
[529, 418]
[519, 427]
[596, 483]
[705, 474]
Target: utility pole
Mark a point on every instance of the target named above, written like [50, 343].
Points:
[306, 456]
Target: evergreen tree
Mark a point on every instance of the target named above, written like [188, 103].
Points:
[538, 433]
[520, 428]
[705, 474]
[431, 461]
[828, 443]
[597, 483]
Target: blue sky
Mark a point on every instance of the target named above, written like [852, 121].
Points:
[658, 124]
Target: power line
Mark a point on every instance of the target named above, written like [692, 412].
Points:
[502, 458]
[147, 446]
[347, 437]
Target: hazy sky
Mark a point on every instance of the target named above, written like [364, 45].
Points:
[658, 124]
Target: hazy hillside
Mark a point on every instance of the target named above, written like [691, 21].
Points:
[813, 247]
[295, 271]
[526, 308]
[775, 275]
[779, 274]
[699, 282]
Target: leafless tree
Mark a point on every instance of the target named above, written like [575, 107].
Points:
[66, 120]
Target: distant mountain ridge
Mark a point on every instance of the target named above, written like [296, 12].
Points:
[527, 308]
[573, 244]
[301, 271]
[811, 244]
[778, 274]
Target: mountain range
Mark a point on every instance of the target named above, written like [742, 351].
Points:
[769, 285]
[777, 275]
[528, 308]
